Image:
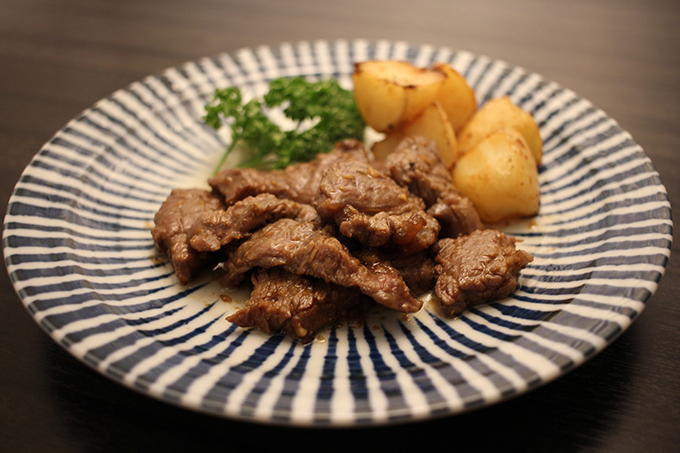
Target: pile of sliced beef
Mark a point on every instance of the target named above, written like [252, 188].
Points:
[322, 242]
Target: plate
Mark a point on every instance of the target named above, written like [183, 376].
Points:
[79, 252]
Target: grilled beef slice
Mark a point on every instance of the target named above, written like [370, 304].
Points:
[417, 269]
[480, 267]
[238, 183]
[296, 305]
[218, 228]
[304, 178]
[303, 249]
[416, 165]
[297, 182]
[174, 222]
[370, 207]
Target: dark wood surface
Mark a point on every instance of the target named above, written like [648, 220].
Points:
[57, 57]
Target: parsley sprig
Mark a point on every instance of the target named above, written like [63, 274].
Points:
[330, 108]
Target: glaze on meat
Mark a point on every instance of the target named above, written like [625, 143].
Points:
[370, 207]
[480, 267]
[302, 248]
[175, 221]
[217, 228]
[415, 164]
[297, 305]
[325, 241]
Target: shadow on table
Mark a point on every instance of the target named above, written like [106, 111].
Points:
[566, 415]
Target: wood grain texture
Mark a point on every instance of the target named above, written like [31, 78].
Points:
[57, 57]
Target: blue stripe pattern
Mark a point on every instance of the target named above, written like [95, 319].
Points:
[78, 249]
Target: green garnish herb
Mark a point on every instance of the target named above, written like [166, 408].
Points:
[329, 107]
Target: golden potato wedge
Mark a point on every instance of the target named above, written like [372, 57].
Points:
[499, 175]
[434, 124]
[391, 93]
[386, 146]
[456, 97]
[501, 113]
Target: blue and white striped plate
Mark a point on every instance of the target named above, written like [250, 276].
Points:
[79, 252]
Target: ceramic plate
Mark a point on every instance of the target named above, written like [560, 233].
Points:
[78, 249]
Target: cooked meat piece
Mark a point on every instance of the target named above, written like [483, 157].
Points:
[238, 183]
[370, 207]
[456, 215]
[175, 220]
[477, 268]
[298, 182]
[303, 249]
[417, 269]
[218, 228]
[297, 306]
[304, 178]
[416, 165]
[376, 262]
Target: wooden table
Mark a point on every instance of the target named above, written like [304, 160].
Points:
[57, 57]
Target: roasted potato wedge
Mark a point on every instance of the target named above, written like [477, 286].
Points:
[386, 146]
[392, 93]
[432, 123]
[456, 97]
[497, 114]
[499, 175]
